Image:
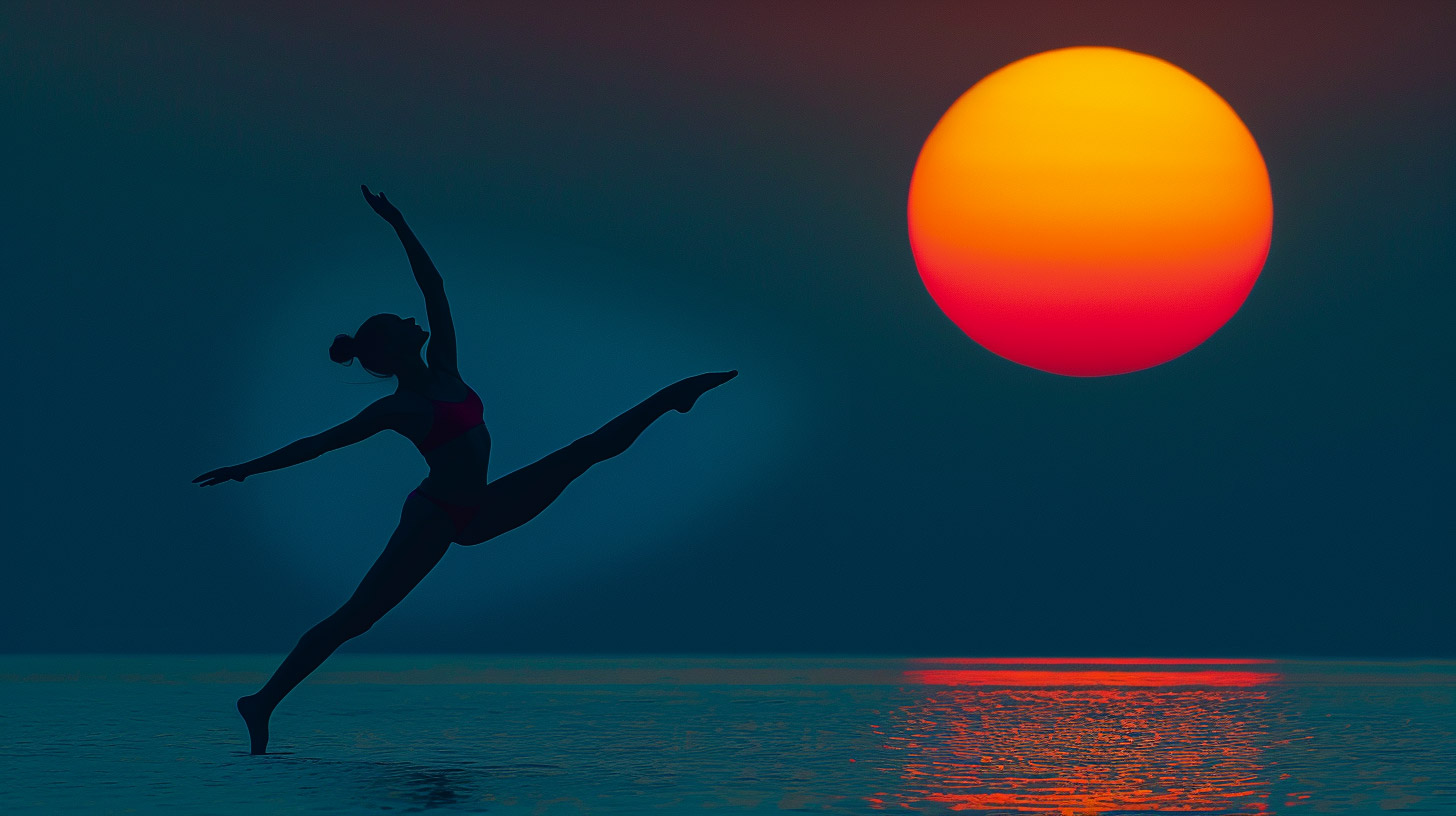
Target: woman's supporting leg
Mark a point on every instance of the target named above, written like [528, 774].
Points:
[520, 496]
[417, 545]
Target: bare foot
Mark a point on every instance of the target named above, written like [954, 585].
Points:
[255, 714]
[686, 392]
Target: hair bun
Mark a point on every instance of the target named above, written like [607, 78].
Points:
[342, 351]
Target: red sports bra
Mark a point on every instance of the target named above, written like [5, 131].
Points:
[453, 419]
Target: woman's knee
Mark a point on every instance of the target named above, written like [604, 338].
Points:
[342, 625]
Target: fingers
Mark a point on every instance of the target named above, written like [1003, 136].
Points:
[212, 477]
[374, 199]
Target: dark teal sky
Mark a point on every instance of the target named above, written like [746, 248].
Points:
[620, 198]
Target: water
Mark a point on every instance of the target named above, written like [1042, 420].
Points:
[408, 734]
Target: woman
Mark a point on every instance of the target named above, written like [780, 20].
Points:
[442, 416]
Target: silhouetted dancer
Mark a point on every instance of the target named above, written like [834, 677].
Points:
[443, 417]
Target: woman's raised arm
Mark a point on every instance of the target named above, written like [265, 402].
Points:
[441, 353]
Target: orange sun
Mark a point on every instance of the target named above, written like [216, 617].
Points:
[1090, 211]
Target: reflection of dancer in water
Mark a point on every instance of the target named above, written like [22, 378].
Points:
[442, 416]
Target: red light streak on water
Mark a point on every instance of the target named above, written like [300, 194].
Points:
[1096, 661]
[1120, 679]
[1080, 741]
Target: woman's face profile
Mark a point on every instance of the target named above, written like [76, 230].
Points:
[401, 336]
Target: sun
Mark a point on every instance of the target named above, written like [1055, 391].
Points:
[1090, 211]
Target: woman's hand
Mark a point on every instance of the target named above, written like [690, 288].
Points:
[382, 206]
[223, 474]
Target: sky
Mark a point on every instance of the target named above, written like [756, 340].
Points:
[621, 195]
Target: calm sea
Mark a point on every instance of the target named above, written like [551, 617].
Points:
[518, 735]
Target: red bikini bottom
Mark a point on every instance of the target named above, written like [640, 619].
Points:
[461, 514]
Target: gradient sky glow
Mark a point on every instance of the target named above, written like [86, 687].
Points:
[622, 194]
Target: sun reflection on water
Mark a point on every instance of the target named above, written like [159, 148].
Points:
[1080, 736]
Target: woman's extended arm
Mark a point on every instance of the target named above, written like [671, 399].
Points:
[441, 353]
[369, 422]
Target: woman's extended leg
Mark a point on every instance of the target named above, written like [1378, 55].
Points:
[417, 545]
[520, 496]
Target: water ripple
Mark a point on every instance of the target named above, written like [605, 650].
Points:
[547, 736]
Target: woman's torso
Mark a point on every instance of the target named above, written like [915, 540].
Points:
[445, 425]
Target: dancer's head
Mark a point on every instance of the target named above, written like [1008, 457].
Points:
[384, 344]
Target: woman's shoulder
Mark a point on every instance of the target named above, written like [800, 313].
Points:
[453, 386]
[448, 375]
[447, 386]
[400, 402]
[407, 413]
